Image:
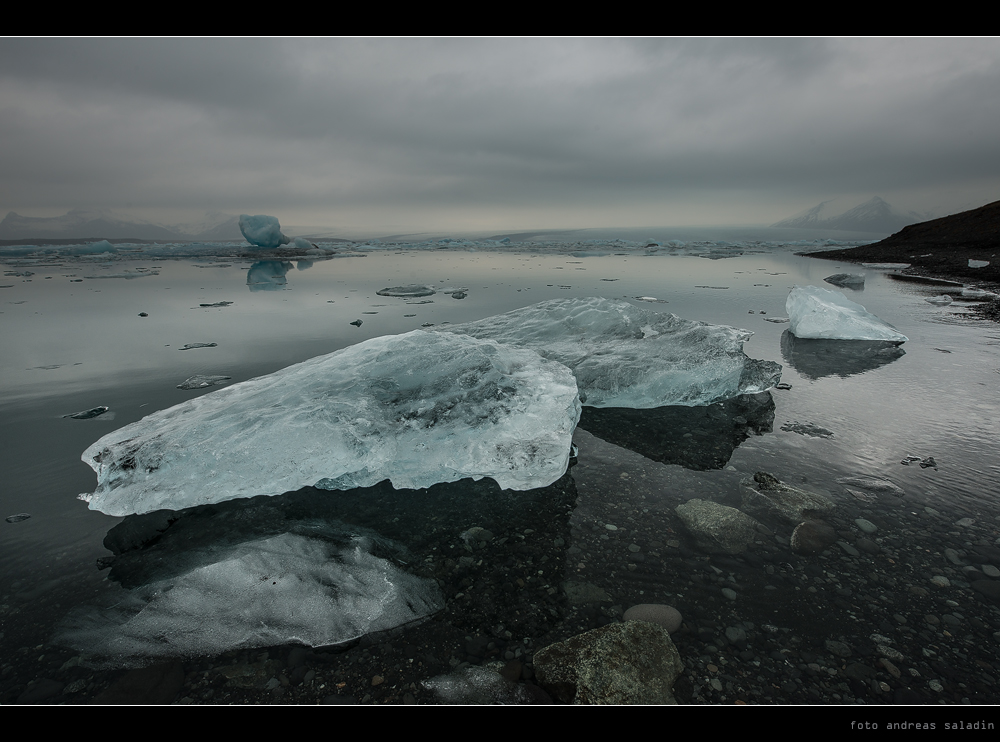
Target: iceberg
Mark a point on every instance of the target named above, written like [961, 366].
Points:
[416, 409]
[262, 230]
[626, 356]
[821, 313]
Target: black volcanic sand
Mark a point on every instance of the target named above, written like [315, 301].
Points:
[940, 248]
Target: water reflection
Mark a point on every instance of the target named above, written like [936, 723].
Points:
[268, 275]
[698, 438]
[816, 358]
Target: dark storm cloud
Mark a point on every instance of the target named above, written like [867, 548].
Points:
[425, 129]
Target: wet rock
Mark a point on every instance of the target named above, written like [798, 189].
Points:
[812, 537]
[356, 323]
[771, 498]
[627, 663]
[717, 528]
[17, 518]
[192, 346]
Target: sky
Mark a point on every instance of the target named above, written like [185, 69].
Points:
[494, 134]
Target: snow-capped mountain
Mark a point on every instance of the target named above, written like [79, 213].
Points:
[874, 215]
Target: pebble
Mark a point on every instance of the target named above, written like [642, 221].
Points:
[729, 593]
[866, 525]
[940, 581]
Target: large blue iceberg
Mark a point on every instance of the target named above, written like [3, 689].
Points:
[262, 230]
[416, 409]
[626, 356]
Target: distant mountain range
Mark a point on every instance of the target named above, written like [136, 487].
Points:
[874, 215]
[83, 224]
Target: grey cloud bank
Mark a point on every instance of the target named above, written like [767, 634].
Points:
[480, 134]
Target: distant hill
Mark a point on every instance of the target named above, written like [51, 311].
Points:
[874, 215]
[940, 247]
[82, 223]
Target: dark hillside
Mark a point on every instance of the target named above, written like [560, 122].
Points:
[941, 247]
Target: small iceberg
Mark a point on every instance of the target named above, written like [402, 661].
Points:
[262, 230]
[942, 300]
[415, 409]
[626, 356]
[825, 314]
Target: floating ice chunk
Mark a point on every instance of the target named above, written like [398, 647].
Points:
[88, 414]
[201, 381]
[262, 231]
[192, 346]
[416, 409]
[942, 300]
[978, 294]
[846, 279]
[822, 313]
[626, 356]
[302, 243]
[93, 248]
[407, 291]
[886, 266]
[978, 263]
[279, 590]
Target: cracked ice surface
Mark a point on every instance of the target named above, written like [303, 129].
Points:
[417, 409]
[822, 313]
[626, 356]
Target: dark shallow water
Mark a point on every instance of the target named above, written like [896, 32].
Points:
[562, 559]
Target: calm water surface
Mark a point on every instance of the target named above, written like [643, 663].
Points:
[74, 340]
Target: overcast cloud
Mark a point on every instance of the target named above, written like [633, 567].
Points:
[411, 134]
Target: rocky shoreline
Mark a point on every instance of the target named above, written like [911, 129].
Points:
[898, 605]
[952, 247]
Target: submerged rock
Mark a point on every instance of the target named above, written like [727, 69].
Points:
[771, 498]
[626, 356]
[415, 409]
[850, 280]
[717, 528]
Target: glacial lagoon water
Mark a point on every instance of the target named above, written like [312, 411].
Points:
[89, 332]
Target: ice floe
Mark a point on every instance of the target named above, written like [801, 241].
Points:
[826, 314]
[416, 409]
[627, 356]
